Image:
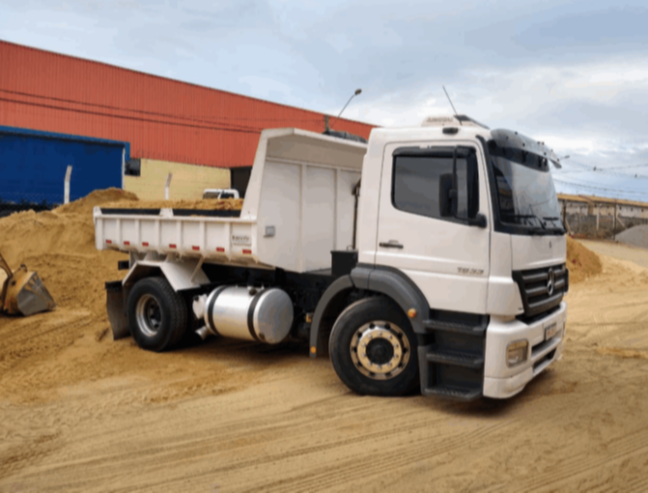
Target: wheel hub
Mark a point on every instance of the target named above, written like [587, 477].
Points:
[148, 314]
[380, 350]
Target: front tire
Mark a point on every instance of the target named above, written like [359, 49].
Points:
[157, 315]
[373, 348]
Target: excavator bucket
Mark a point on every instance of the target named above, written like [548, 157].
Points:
[23, 292]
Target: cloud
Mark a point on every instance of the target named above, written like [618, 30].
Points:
[570, 73]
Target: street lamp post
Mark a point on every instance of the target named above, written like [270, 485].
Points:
[356, 93]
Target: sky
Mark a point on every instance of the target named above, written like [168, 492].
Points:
[572, 74]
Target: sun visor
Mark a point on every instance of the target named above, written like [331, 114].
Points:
[515, 140]
[451, 121]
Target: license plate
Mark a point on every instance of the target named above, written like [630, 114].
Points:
[551, 331]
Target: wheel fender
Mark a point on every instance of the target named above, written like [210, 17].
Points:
[185, 274]
[138, 271]
[327, 305]
[384, 280]
[396, 285]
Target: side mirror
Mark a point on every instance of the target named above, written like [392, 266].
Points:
[447, 195]
[479, 220]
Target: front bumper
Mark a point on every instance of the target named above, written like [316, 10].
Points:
[500, 381]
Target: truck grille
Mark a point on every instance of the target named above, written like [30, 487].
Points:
[542, 289]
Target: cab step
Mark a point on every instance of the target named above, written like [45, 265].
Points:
[456, 359]
[457, 394]
[456, 327]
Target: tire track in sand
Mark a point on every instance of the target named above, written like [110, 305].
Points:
[617, 450]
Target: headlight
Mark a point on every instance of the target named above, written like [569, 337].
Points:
[516, 353]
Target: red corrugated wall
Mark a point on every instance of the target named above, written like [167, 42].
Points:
[161, 118]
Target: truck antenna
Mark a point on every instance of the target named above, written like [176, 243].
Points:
[453, 108]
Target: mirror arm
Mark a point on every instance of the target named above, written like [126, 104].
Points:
[479, 220]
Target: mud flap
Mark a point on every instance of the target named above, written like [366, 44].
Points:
[116, 307]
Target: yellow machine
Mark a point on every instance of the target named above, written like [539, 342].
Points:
[23, 292]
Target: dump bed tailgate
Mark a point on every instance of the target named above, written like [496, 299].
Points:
[212, 235]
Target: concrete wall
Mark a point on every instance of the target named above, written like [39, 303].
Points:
[188, 181]
[603, 209]
[574, 207]
[601, 227]
[596, 219]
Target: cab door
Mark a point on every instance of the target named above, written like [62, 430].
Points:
[444, 255]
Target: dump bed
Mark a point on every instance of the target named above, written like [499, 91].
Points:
[299, 205]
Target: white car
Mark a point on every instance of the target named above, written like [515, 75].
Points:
[220, 193]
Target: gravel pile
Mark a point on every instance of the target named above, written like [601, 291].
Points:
[635, 236]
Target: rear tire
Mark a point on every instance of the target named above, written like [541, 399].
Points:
[157, 315]
[374, 350]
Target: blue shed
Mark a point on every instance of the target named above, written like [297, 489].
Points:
[33, 165]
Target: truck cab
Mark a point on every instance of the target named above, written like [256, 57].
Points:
[470, 216]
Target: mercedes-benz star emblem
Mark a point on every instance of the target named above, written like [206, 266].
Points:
[550, 283]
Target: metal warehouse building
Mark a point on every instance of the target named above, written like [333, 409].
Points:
[119, 127]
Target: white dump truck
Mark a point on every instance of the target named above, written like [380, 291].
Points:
[430, 257]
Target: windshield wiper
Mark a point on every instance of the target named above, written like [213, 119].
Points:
[556, 218]
[526, 216]
[549, 218]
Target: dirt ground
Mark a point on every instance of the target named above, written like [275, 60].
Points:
[83, 413]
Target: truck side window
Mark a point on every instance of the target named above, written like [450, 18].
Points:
[416, 183]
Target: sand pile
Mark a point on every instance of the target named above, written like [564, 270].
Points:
[98, 197]
[581, 262]
[60, 246]
[208, 204]
[43, 354]
[635, 236]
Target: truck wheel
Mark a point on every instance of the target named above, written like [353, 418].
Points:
[157, 315]
[373, 348]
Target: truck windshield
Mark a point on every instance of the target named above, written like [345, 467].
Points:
[525, 191]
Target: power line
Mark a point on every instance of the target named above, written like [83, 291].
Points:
[155, 113]
[626, 167]
[593, 187]
[133, 118]
[618, 175]
[567, 164]
[109, 107]
[596, 169]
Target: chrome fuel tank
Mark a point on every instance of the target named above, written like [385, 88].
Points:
[252, 314]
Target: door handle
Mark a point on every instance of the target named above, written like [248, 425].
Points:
[391, 244]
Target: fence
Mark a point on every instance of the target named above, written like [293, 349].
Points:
[603, 227]
[10, 203]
